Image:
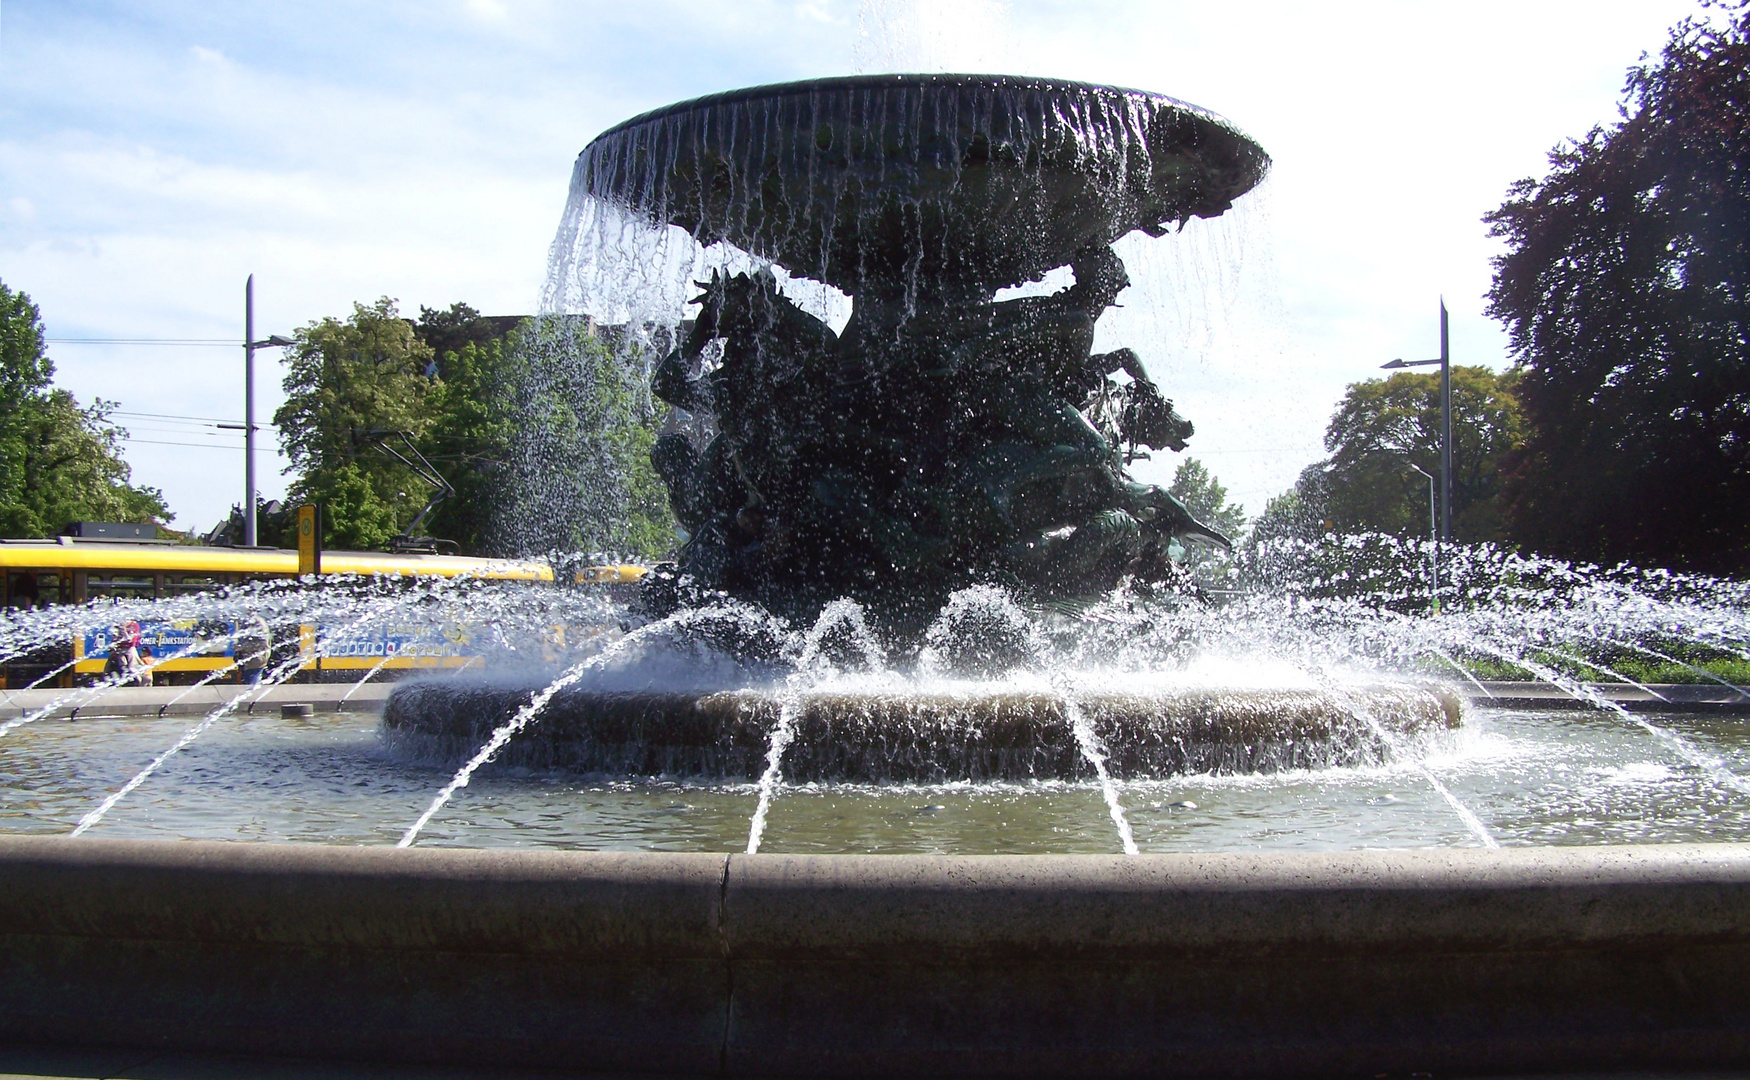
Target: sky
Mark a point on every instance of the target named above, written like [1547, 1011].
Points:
[154, 154]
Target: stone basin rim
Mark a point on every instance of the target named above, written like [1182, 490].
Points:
[903, 79]
[1524, 961]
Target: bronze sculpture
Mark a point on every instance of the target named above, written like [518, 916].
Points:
[944, 437]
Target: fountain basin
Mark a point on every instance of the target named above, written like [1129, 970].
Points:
[1172, 965]
[925, 736]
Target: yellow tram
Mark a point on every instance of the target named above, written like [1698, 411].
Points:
[72, 570]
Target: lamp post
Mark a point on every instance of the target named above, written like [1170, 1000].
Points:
[249, 347]
[1444, 533]
[1434, 535]
[1403, 456]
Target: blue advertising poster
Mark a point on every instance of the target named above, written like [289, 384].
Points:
[175, 638]
[409, 641]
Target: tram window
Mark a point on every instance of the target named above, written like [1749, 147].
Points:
[22, 591]
[31, 588]
[133, 586]
[183, 584]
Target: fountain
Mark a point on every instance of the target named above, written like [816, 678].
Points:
[944, 438]
[917, 571]
[944, 452]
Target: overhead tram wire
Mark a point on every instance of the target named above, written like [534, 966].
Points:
[143, 341]
[176, 416]
[197, 446]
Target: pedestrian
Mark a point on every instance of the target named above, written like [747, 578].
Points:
[128, 641]
[254, 644]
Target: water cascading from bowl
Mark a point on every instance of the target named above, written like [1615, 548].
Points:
[941, 438]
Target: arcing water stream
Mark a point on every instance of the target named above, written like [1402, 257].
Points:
[1602, 774]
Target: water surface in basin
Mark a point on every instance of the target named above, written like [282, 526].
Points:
[1532, 777]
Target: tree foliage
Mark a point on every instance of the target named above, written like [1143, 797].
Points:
[1206, 498]
[578, 463]
[1383, 426]
[347, 381]
[469, 441]
[1380, 429]
[1298, 514]
[542, 433]
[59, 461]
[1625, 288]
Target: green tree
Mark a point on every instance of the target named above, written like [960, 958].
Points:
[25, 369]
[577, 467]
[1382, 426]
[471, 431]
[541, 430]
[1206, 498]
[450, 330]
[59, 461]
[348, 380]
[1298, 514]
[1625, 287]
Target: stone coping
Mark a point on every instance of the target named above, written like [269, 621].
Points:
[1362, 962]
[194, 701]
[1703, 697]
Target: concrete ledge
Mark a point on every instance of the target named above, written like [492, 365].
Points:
[193, 701]
[1182, 965]
[1706, 697]
[326, 697]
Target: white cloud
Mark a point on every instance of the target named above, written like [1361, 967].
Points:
[490, 10]
[342, 152]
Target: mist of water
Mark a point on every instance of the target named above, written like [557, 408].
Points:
[1338, 626]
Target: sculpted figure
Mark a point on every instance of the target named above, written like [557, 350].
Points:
[987, 439]
[735, 496]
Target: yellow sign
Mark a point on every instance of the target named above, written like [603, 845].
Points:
[309, 540]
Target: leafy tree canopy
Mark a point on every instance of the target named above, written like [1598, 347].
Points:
[25, 368]
[1625, 288]
[582, 425]
[59, 461]
[1206, 498]
[348, 380]
[1297, 514]
[454, 329]
[1382, 427]
[543, 434]
[467, 444]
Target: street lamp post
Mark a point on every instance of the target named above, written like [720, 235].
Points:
[249, 347]
[1403, 456]
[1433, 534]
[1443, 534]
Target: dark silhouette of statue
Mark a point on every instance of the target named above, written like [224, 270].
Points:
[943, 437]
